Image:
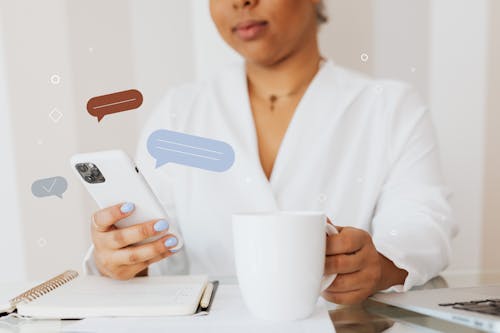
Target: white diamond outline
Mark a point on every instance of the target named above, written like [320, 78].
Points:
[55, 119]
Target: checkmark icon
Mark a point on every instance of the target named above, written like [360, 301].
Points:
[47, 187]
[51, 187]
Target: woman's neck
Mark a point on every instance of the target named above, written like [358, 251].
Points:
[291, 74]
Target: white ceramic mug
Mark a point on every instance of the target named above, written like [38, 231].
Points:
[280, 259]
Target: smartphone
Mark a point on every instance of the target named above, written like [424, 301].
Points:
[111, 177]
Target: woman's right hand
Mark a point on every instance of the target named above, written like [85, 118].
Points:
[115, 254]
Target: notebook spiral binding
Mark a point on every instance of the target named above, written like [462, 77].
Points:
[44, 288]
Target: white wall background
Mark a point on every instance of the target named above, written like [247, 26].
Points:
[458, 96]
[442, 47]
[11, 238]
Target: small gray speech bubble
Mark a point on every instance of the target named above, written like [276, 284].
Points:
[49, 186]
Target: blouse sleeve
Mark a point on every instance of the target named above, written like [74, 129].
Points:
[413, 224]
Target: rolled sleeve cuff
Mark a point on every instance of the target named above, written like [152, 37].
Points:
[412, 279]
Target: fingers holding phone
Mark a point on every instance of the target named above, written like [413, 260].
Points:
[117, 252]
[126, 238]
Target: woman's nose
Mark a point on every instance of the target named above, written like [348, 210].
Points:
[242, 4]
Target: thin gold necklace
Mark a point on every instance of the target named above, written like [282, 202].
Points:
[273, 98]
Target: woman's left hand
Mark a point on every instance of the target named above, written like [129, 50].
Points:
[352, 255]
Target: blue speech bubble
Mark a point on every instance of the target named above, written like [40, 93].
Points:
[195, 151]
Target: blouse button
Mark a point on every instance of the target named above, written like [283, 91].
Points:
[248, 180]
[360, 180]
[322, 197]
[393, 232]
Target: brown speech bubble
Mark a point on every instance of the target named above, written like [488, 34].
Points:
[127, 100]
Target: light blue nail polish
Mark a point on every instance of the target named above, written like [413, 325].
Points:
[161, 225]
[127, 207]
[172, 241]
[174, 251]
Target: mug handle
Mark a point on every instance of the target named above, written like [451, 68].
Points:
[327, 280]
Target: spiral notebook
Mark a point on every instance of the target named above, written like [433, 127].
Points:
[70, 296]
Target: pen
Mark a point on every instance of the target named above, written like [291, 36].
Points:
[207, 295]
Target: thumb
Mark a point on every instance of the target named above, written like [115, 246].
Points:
[339, 229]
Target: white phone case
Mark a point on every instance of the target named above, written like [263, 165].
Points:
[123, 183]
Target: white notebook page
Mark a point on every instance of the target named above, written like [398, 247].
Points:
[95, 296]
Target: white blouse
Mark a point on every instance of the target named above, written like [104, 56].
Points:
[361, 150]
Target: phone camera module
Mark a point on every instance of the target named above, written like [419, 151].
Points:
[95, 172]
[90, 173]
[82, 168]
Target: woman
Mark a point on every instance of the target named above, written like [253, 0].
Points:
[308, 135]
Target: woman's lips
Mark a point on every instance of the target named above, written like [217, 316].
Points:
[250, 30]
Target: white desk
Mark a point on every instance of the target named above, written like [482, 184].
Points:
[368, 317]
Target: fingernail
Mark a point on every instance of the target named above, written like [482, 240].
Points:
[174, 251]
[127, 207]
[161, 225]
[172, 241]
